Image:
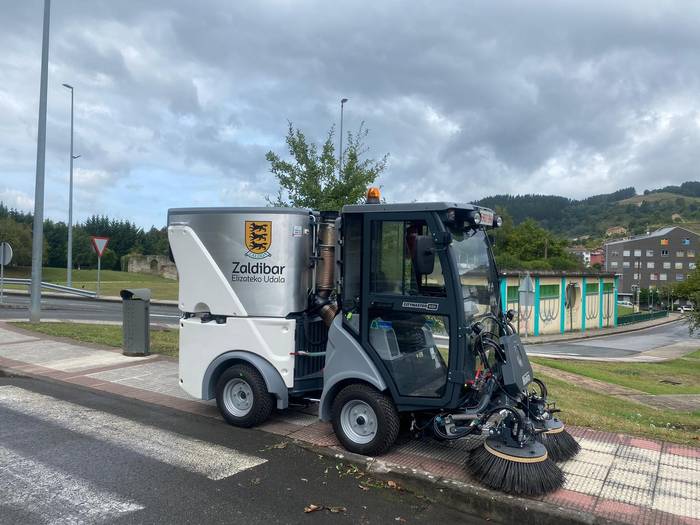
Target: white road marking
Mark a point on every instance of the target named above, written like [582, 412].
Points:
[54, 496]
[213, 461]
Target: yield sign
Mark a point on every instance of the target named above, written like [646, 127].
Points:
[99, 244]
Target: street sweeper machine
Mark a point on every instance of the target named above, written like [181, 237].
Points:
[387, 314]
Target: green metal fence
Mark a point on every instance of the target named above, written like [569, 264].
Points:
[641, 317]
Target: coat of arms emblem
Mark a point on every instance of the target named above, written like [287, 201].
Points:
[258, 238]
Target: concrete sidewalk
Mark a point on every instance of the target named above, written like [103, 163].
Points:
[615, 478]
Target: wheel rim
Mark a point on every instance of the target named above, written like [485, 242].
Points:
[238, 397]
[358, 421]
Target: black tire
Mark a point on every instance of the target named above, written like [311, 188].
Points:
[238, 410]
[386, 419]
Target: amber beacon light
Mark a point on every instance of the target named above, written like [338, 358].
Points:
[373, 195]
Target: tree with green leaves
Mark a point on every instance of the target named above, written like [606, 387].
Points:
[311, 178]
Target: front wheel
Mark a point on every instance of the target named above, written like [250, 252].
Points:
[365, 420]
[242, 396]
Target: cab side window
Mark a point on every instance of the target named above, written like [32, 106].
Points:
[392, 255]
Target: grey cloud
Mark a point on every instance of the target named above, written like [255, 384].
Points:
[469, 99]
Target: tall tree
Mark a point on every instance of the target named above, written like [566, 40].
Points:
[311, 180]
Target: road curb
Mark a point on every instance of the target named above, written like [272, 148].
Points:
[594, 335]
[465, 496]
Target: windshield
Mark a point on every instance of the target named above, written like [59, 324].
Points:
[476, 273]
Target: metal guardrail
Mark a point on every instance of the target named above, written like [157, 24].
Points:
[641, 317]
[51, 286]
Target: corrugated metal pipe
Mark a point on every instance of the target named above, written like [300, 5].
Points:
[325, 282]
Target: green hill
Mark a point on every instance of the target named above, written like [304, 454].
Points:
[594, 215]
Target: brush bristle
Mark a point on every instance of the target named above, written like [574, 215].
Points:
[514, 477]
[561, 446]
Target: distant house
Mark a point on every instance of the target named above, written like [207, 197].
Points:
[616, 231]
[582, 253]
[657, 259]
[588, 257]
[598, 257]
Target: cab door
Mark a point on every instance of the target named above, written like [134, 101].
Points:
[408, 322]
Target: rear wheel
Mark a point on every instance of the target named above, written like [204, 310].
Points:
[365, 420]
[242, 396]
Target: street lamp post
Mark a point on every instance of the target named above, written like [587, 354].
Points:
[69, 258]
[340, 153]
[38, 230]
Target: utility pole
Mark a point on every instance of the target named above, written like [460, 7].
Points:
[340, 153]
[69, 257]
[38, 230]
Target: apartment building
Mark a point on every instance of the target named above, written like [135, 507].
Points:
[657, 259]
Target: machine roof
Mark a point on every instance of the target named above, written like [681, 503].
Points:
[409, 207]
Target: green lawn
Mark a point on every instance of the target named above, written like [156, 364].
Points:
[624, 310]
[679, 376]
[163, 340]
[111, 282]
[590, 409]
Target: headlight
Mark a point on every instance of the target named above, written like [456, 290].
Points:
[498, 222]
[475, 218]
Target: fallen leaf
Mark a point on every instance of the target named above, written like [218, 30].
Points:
[392, 485]
[399, 519]
[305, 480]
[336, 510]
[363, 487]
[312, 508]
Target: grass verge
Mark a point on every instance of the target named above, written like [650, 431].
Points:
[679, 376]
[111, 282]
[602, 412]
[163, 340]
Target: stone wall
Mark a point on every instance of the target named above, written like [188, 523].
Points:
[153, 264]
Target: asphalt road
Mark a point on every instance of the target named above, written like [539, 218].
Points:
[69, 455]
[17, 307]
[621, 345]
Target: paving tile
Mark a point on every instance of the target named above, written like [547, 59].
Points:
[594, 458]
[679, 473]
[634, 454]
[161, 377]
[61, 356]
[680, 450]
[632, 479]
[626, 494]
[679, 489]
[677, 505]
[9, 336]
[598, 446]
[620, 511]
[583, 484]
[587, 470]
[575, 499]
[675, 460]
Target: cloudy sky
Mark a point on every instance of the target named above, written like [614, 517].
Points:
[178, 101]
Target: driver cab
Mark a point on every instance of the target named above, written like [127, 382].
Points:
[403, 299]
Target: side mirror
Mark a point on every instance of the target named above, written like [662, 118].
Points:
[425, 255]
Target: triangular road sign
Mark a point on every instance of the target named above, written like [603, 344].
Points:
[99, 243]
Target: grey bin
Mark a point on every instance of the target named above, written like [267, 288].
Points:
[136, 304]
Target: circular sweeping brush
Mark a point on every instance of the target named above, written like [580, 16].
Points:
[560, 445]
[524, 471]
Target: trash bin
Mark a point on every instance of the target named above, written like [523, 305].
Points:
[135, 323]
